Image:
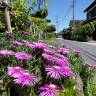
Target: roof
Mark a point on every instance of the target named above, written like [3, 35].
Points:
[75, 21]
[89, 20]
[88, 8]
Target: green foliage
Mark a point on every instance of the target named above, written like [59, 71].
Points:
[86, 32]
[88, 76]
[2, 21]
[48, 20]
[77, 62]
[50, 28]
[88, 29]
[41, 3]
[41, 13]
[86, 73]
[83, 32]
[20, 15]
[40, 24]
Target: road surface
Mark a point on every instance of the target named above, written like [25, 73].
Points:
[87, 49]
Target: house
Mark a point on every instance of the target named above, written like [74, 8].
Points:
[74, 26]
[75, 23]
[91, 12]
[91, 16]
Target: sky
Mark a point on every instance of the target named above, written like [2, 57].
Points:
[63, 9]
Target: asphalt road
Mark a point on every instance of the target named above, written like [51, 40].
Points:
[87, 49]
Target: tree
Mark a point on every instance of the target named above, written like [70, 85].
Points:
[2, 21]
[41, 3]
[7, 16]
[50, 28]
[20, 15]
[41, 13]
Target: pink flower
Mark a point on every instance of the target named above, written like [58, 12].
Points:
[26, 79]
[63, 58]
[63, 50]
[10, 33]
[30, 45]
[61, 62]
[57, 72]
[16, 43]
[55, 60]
[15, 71]
[76, 52]
[23, 56]
[6, 53]
[50, 90]
[49, 51]
[26, 33]
[48, 57]
[38, 46]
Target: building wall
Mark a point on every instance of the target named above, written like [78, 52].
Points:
[91, 13]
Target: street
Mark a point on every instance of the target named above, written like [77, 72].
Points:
[87, 49]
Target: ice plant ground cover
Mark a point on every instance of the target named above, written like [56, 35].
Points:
[34, 68]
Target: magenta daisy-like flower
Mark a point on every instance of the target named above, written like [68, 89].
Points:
[48, 57]
[16, 43]
[26, 33]
[26, 79]
[38, 46]
[50, 52]
[63, 50]
[30, 45]
[10, 33]
[55, 60]
[61, 62]
[15, 71]
[6, 53]
[63, 58]
[76, 52]
[57, 72]
[23, 56]
[50, 90]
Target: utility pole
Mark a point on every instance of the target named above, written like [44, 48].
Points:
[73, 9]
[57, 24]
[7, 16]
[73, 13]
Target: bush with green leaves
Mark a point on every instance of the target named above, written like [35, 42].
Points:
[41, 13]
[50, 28]
[2, 22]
[84, 32]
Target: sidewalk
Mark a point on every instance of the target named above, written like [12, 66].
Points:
[90, 43]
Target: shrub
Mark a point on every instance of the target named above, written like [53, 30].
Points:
[41, 13]
[50, 28]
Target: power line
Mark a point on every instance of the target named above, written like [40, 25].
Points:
[73, 7]
[67, 12]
